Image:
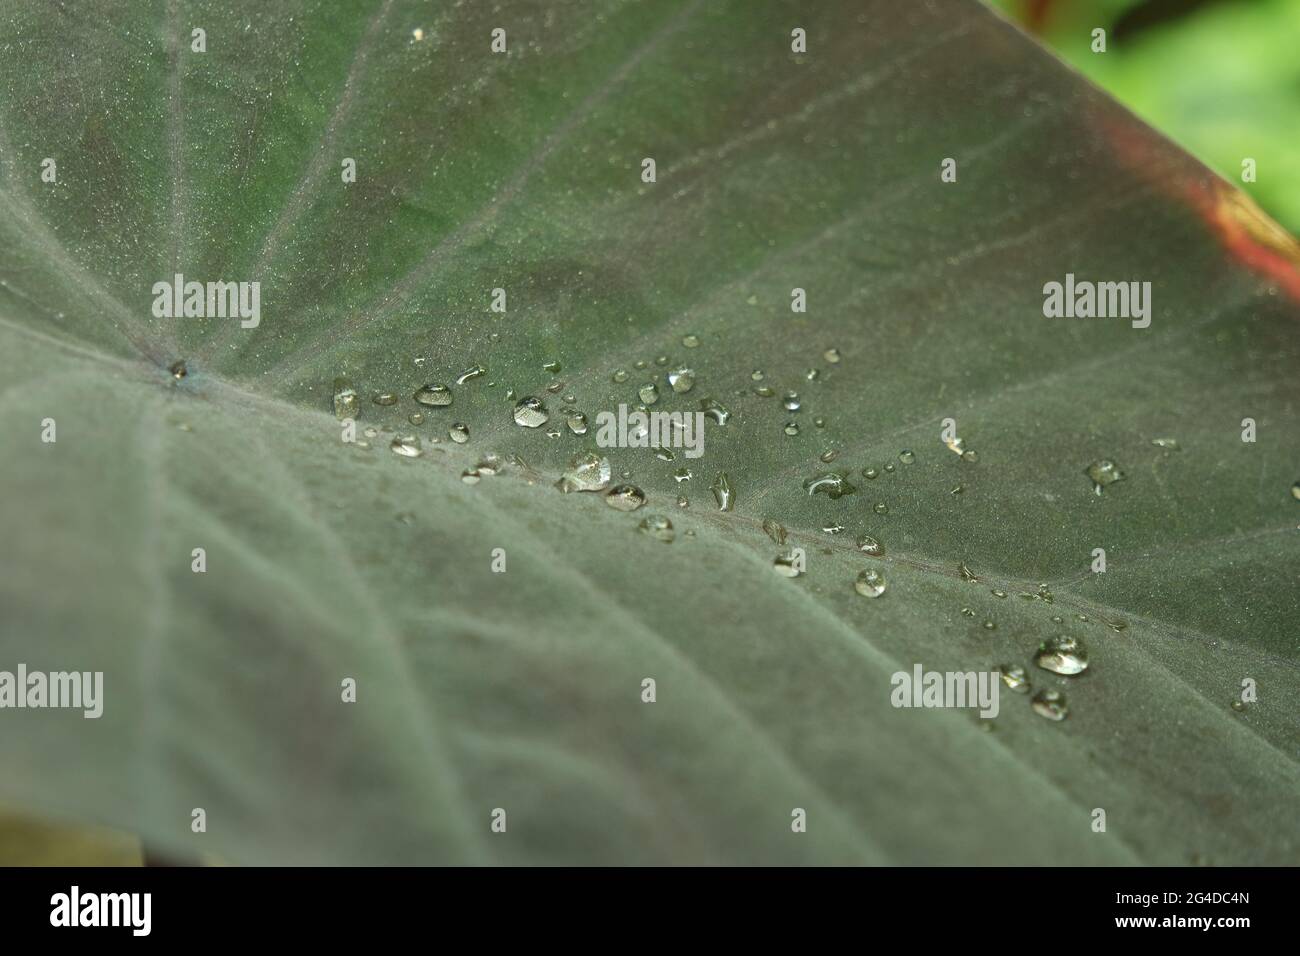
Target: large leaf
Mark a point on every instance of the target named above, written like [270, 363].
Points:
[522, 690]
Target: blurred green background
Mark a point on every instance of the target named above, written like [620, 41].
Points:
[1219, 77]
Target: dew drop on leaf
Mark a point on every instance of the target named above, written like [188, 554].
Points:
[434, 396]
[625, 497]
[576, 421]
[530, 412]
[658, 527]
[774, 530]
[834, 484]
[1015, 677]
[1062, 655]
[786, 566]
[1103, 473]
[722, 492]
[870, 583]
[407, 446]
[869, 545]
[682, 380]
[346, 402]
[1050, 704]
[589, 472]
[715, 410]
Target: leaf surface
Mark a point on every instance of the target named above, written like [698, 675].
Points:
[522, 690]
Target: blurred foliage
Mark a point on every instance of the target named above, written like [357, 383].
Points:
[25, 841]
[1219, 77]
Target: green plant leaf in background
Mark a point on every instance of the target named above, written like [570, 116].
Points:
[1221, 78]
[522, 690]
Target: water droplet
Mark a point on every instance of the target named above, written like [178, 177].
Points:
[658, 527]
[370, 431]
[722, 492]
[552, 367]
[620, 376]
[968, 612]
[1117, 625]
[434, 395]
[833, 528]
[682, 380]
[834, 484]
[346, 401]
[880, 508]
[1295, 491]
[819, 422]
[665, 454]
[416, 418]
[774, 530]
[589, 472]
[870, 583]
[764, 392]
[790, 402]
[756, 375]
[715, 410]
[1050, 704]
[889, 467]
[966, 573]
[869, 545]
[786, 566]
[576, 421]
[1170, 443]
[690, 341]
[832, 356]
[641, 364]
[459, 433]
[906, 456]
[179, 369]
[970, 455]
[489, 466]
[625, 497]
[813, 374]
[555, 387]
[792, 428]
[990, 626]
[470, 476]
[870, 473]
[649, 393]
[1238, 706]
[1015, 677]
[471, 373]
[998, 593]
[384, 398]
[683, 501]
[682, 474]
[531, 413]
[829, 456]
[1103, 473]
[407, 446]
[1062, 655]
